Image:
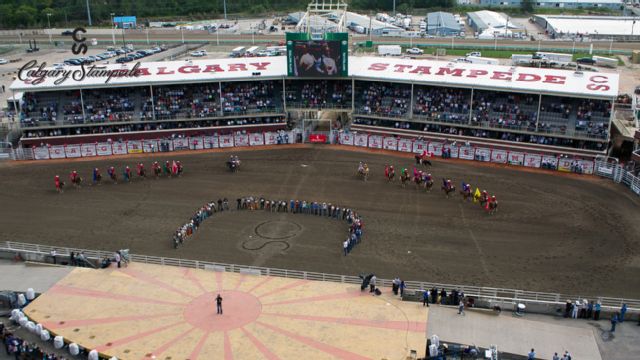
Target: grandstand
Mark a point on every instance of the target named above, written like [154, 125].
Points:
[541, 107]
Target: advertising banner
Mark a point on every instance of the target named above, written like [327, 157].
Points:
[270, 138]
[499, 156]
[226, 141]
[256, 139]
[181, 144]
[419, 146]
[516, 158]
[532, 160]
[405, 145]
[390, 143]
[241, 140]
[435, 148]
[134, 147]
[88, 150]
[361, 139]
[346, 138]
[104, 149]
[318, 138]
[454, 150]
[564, 164]
[587, 166]
[41, 153]
[211, 142]
[149, 146]
[483, 154]
[119, 148]
[57, 152]
[196, 143]
[72, 151]
[466, 153]
[375, 142]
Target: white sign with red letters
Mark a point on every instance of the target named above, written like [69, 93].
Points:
[390, 143]
[241, 140]
[119, 148]
[270, 138]
[405, 145]
[419, 146]
[466, 153]
[57, 152]
[532, 160]
[104, 149]
[134, 147]
[196, 143]
[346, 138]
[181, 144]
[483, 154]
[226, 141]
[375, 142]
[88, 150]
[41, 153]
[72, 151]
[435, 148]
[256, 139]
[516, 158]
[361, 139]
[149, 146]
[499, 156]
[453, 149]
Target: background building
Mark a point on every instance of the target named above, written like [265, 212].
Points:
[125, 22]
[490, 22]
[594, 27]
[572, 4]
[442, 23]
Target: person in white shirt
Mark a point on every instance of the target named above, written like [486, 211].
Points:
[345, 246]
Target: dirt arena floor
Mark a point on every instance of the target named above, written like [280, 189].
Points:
[557, 233]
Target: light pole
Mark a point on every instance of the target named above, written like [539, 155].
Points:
[49, 23]
[224, 4]
[88, 13]
[113, 30]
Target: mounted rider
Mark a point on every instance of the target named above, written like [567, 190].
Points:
[140, 170]
[59, 184]
[97, 177]
[112, 174]
[126, 173]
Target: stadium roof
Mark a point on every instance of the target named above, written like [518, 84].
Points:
[601, 25]
[487, 19]
[437, 73]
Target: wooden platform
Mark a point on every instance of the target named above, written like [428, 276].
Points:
[162, 312]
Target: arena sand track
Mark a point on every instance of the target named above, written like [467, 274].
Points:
[569, 234]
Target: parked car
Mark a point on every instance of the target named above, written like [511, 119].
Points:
[124, 59]
[475, 53]
[73, 62]
[415, 51]
[586, 61]
[198, 53]
[67, 33]
[4, 61]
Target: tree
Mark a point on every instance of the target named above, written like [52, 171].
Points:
[25, 15]
[527, 6]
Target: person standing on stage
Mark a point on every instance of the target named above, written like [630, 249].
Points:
[219, 304]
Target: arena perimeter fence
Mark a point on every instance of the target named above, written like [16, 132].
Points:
[488, 295]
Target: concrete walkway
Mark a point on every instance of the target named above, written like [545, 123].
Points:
[585, 340]
[20, 277]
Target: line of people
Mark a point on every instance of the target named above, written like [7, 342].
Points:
[169, 169]
[205, 211]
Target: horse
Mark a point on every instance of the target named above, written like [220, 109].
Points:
[448, 187]
[233, 165]
[141, 171]
[427, 183]
[404, 178]
[389, 173]
[493, 207]
[113, 176]
[422, 160]
[363, 171]
[418, 181]
[76, 181]
[466, 193]
[157, 170]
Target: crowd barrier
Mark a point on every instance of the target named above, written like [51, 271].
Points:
[469, 152]
[485, 296]
[109, 148]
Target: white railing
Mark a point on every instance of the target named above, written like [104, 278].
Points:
[482, 293]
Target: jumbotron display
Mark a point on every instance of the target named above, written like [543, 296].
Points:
[317, 56]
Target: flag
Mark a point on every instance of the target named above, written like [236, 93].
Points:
[476, 195]
[174, 167]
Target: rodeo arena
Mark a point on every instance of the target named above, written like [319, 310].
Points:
[317, 205]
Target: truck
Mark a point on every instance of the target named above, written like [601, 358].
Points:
[393, 50]
[237, 52]
[252, 51]
[482, 60]
[521, 59]
[557, 57]
[604, 61]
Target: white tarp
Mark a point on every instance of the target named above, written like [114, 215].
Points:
[72, 151]
[103, 149]
[499, 156]
[346, 138]
[41, 153]
[532, 160]
[390, 143]
[226, 140]
[88, 150]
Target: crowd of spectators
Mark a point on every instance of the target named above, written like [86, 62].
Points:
[23, 350]
[251, 97]
[109, 105]
[184, 101]
[496, 109]
[319, 94]
[442, 104]
[384, 99]
[37, 108]
[149, 126]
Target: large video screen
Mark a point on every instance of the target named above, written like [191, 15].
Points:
[317, 56]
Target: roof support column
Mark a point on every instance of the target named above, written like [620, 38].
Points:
[284, 95]
[220, 96]
[84, 117]
[610, 119]
[153, 104]
[353, 95]
[15, 105]
[471, 107]
[538, 113]
[411, 104]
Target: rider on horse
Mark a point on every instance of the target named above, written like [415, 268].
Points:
[180, 168]
[141, 171]
[389, 172]
[59, 184]
[167, 168]
[126, 173]
[75, 178]
[484, 198]
[156, 168]
[447, 186]
[492, 205]
[112, 174]
[97, 177]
